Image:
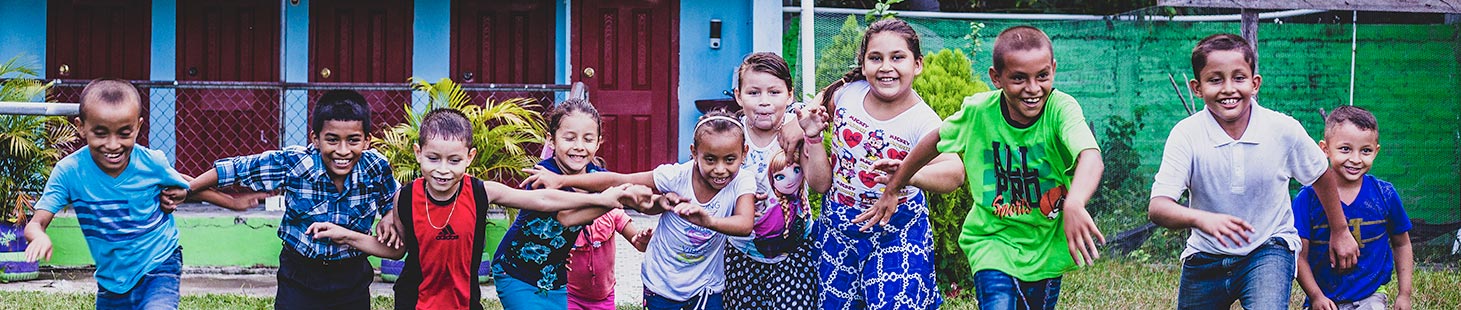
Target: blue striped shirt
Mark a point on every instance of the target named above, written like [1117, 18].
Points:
[126, 231]
[310, 196]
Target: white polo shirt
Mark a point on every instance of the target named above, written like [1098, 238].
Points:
[1247, 178]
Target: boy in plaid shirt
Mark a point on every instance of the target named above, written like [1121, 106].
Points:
[334, 180]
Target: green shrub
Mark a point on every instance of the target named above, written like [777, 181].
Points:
[946, 79]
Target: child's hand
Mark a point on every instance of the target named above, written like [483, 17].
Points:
[667, 202]
[322, 230]
[1230, 231]
[1322, 302]
[813, 120]
[878, 214]
[540, 177]
[171, 197]
[693, 213]
[633, 196]
[385, 231]
[1343, 250]
[641, 240]
[249, 200]
[40, 247]
[1402, 301]
[1081, 235]
[887, 167]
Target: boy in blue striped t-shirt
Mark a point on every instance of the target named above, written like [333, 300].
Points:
[114, 186]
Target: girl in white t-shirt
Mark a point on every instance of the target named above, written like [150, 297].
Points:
[869, 261]
[705, 200]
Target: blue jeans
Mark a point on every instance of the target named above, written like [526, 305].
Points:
[1261, 280]
[158, 289]
[998, 290]
[654, 301]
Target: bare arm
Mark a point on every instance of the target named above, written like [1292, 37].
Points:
[35, 233]
[593, 182]
[360, 241]
[1344, 251]
[816, 164]
[581, 216]
[1306, 279]
[204, 181]
[1404, 269]
[1227, 229]
[883, 209]
[1081, 233]
[556, 200]
[935, 176]
[740, 222]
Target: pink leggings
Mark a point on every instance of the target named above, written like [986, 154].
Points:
[579, 303]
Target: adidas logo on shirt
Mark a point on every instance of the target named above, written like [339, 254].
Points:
[447, 234]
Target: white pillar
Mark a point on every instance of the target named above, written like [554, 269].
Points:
[766, 26]
[808, 50]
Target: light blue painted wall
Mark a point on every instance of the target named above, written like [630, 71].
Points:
[162, 115]
[295, 60]
[705, 73]
[560, 43]
[431, 46]
[23, 31]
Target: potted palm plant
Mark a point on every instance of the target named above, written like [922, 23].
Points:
[502, 132]
[29, 147]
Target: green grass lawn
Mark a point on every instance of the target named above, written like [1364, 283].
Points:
[1108, 285]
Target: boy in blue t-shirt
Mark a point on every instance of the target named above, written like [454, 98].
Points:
[114, 185]
[1376, 219]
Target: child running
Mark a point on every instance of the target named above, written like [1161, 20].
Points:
[876, 115]
[441, 270]
[778, 276]
[685, 265]
[1373, 209]
[1033, 163]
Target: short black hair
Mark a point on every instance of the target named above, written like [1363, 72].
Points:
[1358, 116]
[341, 105]
[109, 92]
[1222, 42]
[1019, 38]
[446, 124]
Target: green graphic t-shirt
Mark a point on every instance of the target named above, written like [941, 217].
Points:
[1018, 178]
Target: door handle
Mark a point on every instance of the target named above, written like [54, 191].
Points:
[325, 73]
[588, 72]
[65, 70]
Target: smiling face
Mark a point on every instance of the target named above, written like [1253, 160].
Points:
[340, 144]
[444, 164]
[890, 66]
[110, 132]
[764, 98]
[1025, 82]
[1351, 150]
[788, 180]
[576, 142]
[718, 157]
[1227, 85]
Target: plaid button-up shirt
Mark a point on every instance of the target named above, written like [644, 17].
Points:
[310, 196]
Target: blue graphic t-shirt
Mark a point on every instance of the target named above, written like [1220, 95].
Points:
[1374, 215]
[535, 249]
[125, 228]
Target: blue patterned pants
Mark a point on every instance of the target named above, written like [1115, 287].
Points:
[888, 267]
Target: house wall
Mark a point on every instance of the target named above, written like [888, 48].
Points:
[705, 73]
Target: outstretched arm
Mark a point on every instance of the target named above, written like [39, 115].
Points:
[1081, 233]
[886, 205]
[1227, 229]
[1344, 251]
[360, 241]
[816, 165]
[35, 232]
[740, 222]
[593, 182]
[556, 200]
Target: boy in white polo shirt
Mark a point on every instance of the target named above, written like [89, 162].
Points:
[1237, 158]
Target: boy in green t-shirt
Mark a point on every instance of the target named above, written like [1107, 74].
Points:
[1032, 163]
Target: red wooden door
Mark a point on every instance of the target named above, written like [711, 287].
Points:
[632, 49]
[363, 41]
[231, 41]
[88, 39]
[503, 42]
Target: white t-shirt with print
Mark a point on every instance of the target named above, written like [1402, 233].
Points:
[684, 259]
[859, 140]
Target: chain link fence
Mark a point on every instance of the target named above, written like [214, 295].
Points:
[197, 122]
[1123, 69]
